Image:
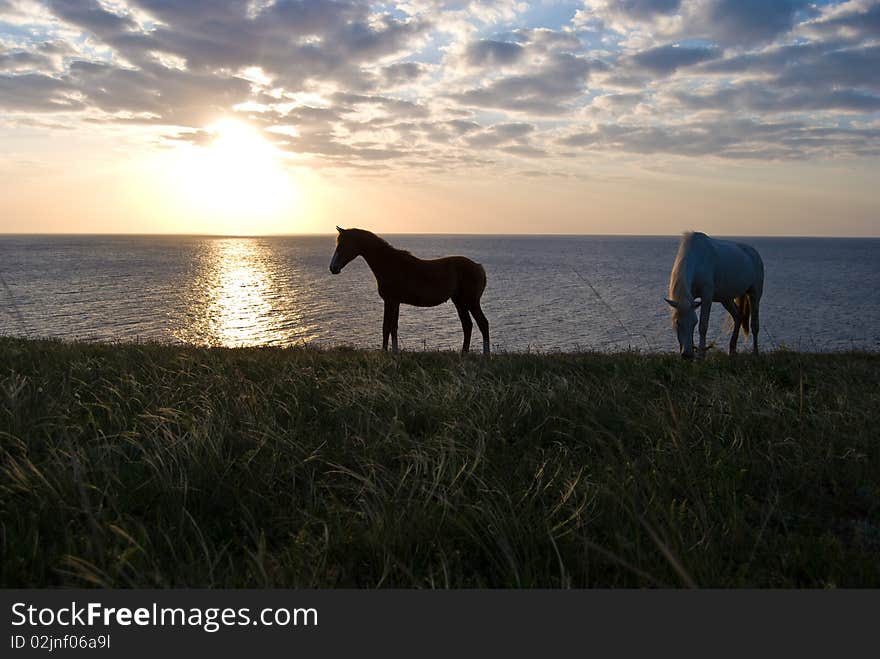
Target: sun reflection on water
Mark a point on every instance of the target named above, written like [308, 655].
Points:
[240, 298]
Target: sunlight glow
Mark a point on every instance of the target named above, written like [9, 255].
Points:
[238, 179]
[239, 310]
[235, 301]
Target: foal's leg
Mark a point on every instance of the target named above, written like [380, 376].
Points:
[386, 323]
[395, 316]
[467, 325]
[732, 309]
[482, 323]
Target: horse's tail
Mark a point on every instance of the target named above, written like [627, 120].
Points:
[745, 313]
[482, 282]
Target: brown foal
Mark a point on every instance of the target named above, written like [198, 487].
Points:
[405, 279]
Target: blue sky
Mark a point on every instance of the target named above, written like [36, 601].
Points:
[424, 90]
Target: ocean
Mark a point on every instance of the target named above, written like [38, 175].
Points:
[544, 293]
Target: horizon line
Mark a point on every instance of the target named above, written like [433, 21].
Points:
[416, 233]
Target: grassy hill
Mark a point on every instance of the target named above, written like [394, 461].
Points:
[152, 465]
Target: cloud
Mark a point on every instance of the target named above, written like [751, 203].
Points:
[727, 22]
[758, 98]
[622, 15]
[36, 92]
[643, 8]
[291, 40]
[431, 82]
[501, 134]
[730, 139]
[854, 20]
[747, 22]
[487, 52]
[669, 57]
[402, 73]
[795, 79]
[639, 9]
[545, 91]
[23, 60]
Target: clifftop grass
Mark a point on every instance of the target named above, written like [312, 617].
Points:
[149, 465]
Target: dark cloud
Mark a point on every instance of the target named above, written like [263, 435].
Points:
[812, 66]
[501, 134]
[292, 41]
[16, 60]
[306, 116]
[328, 145]
[547, 91]
[392, 106]
[856, 67]
[731, 139]
[727, 22]
[544, 39]
[749, 22]
[167, 95]
[643, 9]
[91, 16]
[627, 78]
[487, 52]
[770, 60]
[796, 78]
[402, 73]
[525, 151]
[755, 63]
[668, 58]
[448, 131]
[35, 92]
[755, 97]
[196, 137]
[622, 100]
[856, 21]
[461, 126]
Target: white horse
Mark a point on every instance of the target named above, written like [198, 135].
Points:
[707, 270]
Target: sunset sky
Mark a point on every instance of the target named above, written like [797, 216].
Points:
[737, 117]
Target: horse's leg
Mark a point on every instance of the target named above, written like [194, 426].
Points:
[467, 325]
[753, 301]
[705, 308]
[386, 324]
[732, 309]
[395, 316]
[482, 323]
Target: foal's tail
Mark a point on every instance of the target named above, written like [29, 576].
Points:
[745, 313]
[481, 284]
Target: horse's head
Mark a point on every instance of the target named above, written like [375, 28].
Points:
[347, 249]
[684, 319]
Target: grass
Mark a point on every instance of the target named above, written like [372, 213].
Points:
[168, 466]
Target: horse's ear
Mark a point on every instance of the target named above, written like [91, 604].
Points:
[671, 303]
[339, 228]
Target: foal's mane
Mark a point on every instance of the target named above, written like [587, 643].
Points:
[678, 284]
[377, 241]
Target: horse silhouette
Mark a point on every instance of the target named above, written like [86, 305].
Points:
[709, 270]
[405, 279]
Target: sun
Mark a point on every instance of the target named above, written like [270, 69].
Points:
[236, 179]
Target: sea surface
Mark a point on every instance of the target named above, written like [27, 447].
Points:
[544, 293]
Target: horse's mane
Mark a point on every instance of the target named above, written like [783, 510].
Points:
[678, 284]
[378, 240]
